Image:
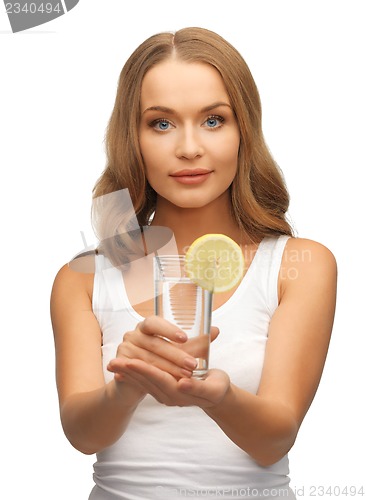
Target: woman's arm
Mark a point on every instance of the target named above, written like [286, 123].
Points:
[93, 414]
[265, 425]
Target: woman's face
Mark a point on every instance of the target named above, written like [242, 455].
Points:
[189, 137]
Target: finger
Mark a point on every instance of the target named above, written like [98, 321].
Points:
[197, 347]
[154, 350]
[166, 390]
[209, 391]
[214, 332]
[157, 383]
[118, 366]
[155, 325]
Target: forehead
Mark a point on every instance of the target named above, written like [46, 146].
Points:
[175, 83]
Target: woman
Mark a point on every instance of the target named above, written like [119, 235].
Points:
[185, 138]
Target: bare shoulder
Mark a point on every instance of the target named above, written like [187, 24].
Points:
[309, 248]
[307, 263]
[69, 284]
[304, 253]
[67, 276]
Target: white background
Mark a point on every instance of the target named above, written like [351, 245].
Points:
[57, 88]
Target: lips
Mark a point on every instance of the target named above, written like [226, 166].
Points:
[191, 175]
[191, 171]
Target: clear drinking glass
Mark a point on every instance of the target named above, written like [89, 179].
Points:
[185, 304]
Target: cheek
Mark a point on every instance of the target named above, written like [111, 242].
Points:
[154, 160]
[152, 153]
[228, 150]
[148, 156]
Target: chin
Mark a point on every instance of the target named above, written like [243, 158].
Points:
[191, 204]
[192, 201]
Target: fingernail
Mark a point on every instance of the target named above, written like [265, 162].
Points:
[190, 363]
[181, 336]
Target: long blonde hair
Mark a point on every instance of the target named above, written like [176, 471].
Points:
[259, 195]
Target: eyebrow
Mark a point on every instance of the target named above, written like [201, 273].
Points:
[210, 107]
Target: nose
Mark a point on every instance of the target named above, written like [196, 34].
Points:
[189, 145]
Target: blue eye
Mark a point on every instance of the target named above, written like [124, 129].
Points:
[214, 121]
[160, 125]
[163, 125]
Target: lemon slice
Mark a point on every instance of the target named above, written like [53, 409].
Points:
[215, 262]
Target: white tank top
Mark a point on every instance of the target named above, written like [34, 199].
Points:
[173, 452]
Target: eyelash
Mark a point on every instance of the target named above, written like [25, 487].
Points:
[219, 118]
[156, 122]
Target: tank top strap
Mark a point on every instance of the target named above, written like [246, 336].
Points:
[269, 265]
[108, 292]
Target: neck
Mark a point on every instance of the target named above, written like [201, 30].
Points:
[188, 224]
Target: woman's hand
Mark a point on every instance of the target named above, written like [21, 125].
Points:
[162, 344]
[158, 354]
[169, 391]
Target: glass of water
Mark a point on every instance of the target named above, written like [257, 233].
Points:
[185, 304]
